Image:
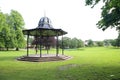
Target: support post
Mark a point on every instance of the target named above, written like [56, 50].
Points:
[47, 45]
[62, 46]
[57, 46]
[40, 48]
[40, 45]
[28, 44]
[36, 47]
[36, 42]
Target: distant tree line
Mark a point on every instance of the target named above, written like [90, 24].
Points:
[11, 26]
[106, 42]
[78, 43]
[70, 43]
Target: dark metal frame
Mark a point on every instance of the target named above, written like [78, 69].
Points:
[41, 32]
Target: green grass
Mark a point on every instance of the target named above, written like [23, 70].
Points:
[87, 64]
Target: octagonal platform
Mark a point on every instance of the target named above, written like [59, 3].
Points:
[44, 58]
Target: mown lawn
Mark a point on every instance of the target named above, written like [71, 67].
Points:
[87, 64]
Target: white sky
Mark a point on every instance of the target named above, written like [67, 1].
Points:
[70, 15]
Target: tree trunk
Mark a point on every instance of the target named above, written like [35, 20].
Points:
[17, 49]
[7, 48]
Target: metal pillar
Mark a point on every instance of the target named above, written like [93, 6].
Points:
[62, 46]
[36, 47]
[40, 48]
[40, 45]
[28, 44]
[47, 45]
[36, 43]
[57, 46]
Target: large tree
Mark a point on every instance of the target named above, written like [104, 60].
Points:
[110, 16]
[90, 43]
[74, 43]
[2, 23]
[10, 32]
[64, 42]
[11, 26]
[80, 43]
[17, 24]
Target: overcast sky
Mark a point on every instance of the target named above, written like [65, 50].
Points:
[70, 15]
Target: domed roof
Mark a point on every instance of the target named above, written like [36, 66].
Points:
[45, 22]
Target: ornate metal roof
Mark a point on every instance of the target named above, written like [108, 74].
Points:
[45, 22]
[44, 29]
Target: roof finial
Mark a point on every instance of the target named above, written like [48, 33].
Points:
[44, 13]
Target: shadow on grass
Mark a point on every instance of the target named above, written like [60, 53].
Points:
[113, 47]
[116, 79]
[88, 72]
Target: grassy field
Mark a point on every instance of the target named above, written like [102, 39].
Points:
[87, 64]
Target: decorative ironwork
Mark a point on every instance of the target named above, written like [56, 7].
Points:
[44, 29]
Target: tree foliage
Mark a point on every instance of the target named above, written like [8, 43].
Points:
[99, 43]
[2, 23]
[110, 42]
[46, 42]
[11, 26]
[90, 43]
[66, 42]
[74, 43]
[71, 43]
[17, 26]
[110, 16]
